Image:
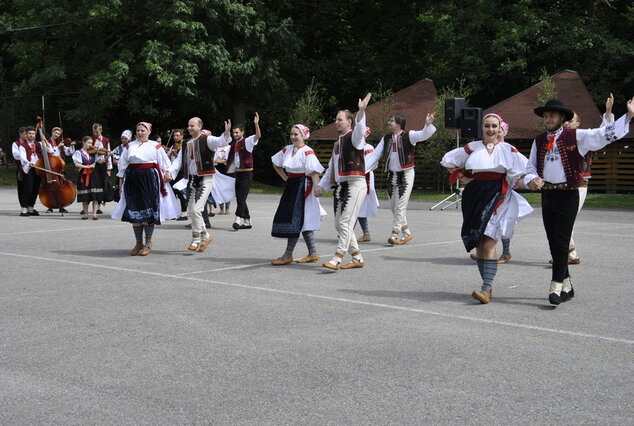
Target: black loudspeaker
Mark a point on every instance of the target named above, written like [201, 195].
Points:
[471, 123]
[453, 109]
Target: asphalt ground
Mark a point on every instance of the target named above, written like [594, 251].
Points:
[91, 335]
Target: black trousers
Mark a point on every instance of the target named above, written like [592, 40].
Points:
[243, 186]
[559, 211]
[19, 177]
[179, 194]
[28, 188]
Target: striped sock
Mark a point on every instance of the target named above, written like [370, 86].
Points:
[480, 263]
[138, 233]
[365, 227]
[309, 239]
[290, 245]
[490, 269]
[149, 230]
[506, 246]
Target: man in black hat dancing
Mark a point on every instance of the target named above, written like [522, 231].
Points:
[556, 167]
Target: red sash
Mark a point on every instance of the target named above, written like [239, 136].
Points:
[139, 166]
[494, 176]
[85, 177]
[309, 182]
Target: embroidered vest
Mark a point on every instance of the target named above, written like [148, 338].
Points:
[87, 159]
[404, 148]
[29, 151]
[246, 157]
[203, 156]
[104, 141]
[351, 160]
[587, 165]
[571, 159]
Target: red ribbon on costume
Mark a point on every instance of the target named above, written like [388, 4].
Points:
[551, 141]
[85, 177]
[494, 176]
[459, 173]
[141, 166]
[367, 183]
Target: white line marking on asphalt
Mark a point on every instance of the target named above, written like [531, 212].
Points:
[605, 235]
[386, 247]
[336, 299]
[58, 230]
[182, 274]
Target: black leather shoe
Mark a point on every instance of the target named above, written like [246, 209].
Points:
[566, 296]
[99, 211]
[33, 213]
[554, 299]
[49, 210]
[63, 210]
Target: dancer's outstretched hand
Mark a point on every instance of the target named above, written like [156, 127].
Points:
[363, 103]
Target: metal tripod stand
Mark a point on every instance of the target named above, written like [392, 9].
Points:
[457, 192]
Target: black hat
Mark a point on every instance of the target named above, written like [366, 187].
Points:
[557, 106]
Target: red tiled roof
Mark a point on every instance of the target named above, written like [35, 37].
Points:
[518, 109]
[414, 102]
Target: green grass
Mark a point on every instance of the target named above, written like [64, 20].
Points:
[7, 175]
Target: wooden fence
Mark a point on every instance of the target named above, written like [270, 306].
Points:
[612, 168]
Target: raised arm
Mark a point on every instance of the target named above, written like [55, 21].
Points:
[427, 132]
[595, 139]
[256, 123]
[358, 134]
[608, 117]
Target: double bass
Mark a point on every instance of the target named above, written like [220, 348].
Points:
[55, 190]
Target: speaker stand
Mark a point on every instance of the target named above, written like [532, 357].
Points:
[457, 192]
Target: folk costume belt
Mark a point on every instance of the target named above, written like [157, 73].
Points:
[140, 166]
[494, 176]
[85, 177]
[550, 186]
[309, 182]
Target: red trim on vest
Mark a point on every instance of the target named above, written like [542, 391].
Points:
[571, 159]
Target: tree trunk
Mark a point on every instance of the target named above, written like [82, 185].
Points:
[239, 113]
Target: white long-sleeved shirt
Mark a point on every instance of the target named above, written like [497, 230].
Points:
[15, 150]
[98, 142]
[25, 162]
[143, 152]
[213, 142]
[68, 150]
[358, 141]
[78, 157]
[415, 136]
[587, 140]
